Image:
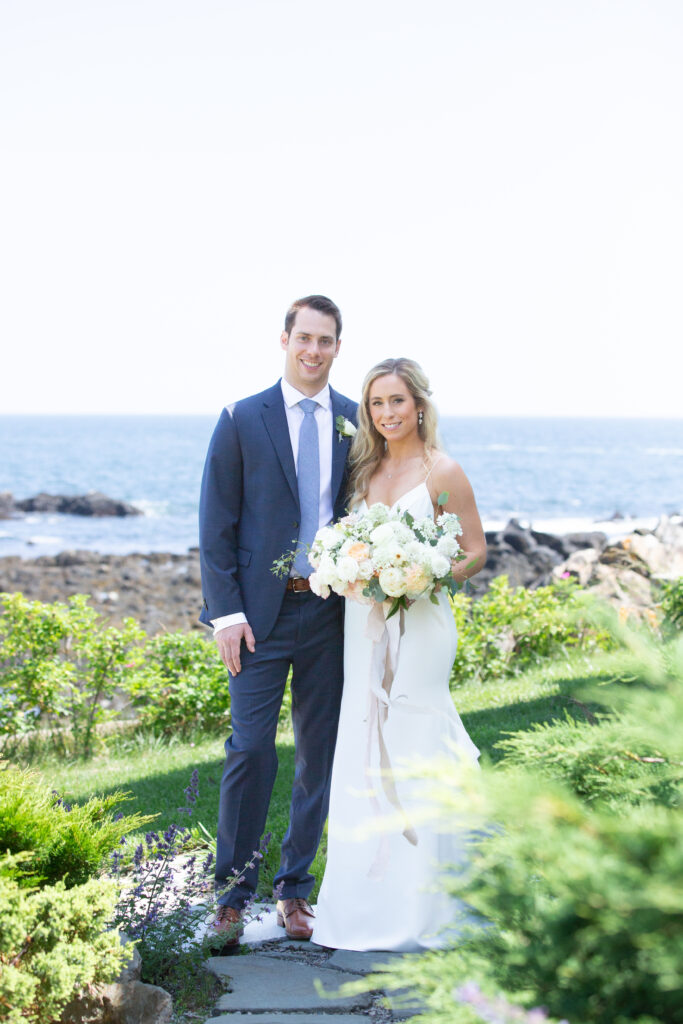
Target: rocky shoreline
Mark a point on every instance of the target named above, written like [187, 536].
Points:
[163, 591]
[94, 503]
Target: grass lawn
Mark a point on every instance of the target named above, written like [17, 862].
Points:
[155, 773]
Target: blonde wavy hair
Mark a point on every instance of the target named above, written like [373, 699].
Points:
[368, 446]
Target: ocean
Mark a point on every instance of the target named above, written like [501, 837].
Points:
[555, 474]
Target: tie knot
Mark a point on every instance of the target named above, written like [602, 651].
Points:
[308, 405]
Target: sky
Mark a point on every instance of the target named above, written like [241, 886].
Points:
[491, 188]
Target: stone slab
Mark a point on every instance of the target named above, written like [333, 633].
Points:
[355, 962]
[261, 983]
[291, 1018]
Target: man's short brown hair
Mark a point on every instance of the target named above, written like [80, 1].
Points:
[318, 302]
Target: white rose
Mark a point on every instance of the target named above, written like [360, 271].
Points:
[383, 532]
[328, 537]
[392, 582]
[319, 588]
[365, 569]
[347, 570]
[327, 571]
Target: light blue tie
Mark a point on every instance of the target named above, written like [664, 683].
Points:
[308, 480]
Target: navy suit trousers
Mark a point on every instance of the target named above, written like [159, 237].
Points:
[308, 635]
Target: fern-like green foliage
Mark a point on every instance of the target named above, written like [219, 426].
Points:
[67, 844]
[508, 630]
[53, 943]
[604, 758]
[574, 898]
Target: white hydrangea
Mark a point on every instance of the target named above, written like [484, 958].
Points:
[417, 552]
[377, 513]
[390, 553]
[402, 531]
[439, 563]
[447, 546]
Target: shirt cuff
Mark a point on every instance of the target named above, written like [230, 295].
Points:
[227, 620]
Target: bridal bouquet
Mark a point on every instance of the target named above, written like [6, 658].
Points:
[381, 554]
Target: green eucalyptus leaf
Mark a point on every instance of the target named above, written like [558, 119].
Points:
[443, 498]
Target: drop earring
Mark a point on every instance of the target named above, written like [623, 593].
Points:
[420, 417]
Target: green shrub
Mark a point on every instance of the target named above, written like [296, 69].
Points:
[508, 630]
[66, 843]
[573, 904]
[53, 944]
[581, 910]
[606, 759]
[182, 686]
[57, 664]
[672, 602]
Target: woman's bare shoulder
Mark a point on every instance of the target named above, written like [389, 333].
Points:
[444, 468]
[448, 475]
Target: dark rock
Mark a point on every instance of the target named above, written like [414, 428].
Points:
[92, 504]
[518, 537]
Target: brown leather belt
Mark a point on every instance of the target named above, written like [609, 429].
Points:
[297, 584]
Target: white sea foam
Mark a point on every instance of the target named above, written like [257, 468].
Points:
[151, 509]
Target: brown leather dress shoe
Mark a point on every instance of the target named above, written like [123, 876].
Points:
[293, 915]
[227, 925]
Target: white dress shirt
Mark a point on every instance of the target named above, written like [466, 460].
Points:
[295, 416]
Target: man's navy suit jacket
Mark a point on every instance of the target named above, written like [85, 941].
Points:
[249, 506]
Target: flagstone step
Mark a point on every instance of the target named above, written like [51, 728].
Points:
[259, 983]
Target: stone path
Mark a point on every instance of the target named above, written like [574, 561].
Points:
[275, 982]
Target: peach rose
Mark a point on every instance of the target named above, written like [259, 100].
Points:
[358, 551]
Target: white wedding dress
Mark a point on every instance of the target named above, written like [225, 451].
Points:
[379, 890]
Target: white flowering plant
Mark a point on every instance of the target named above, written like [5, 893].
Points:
[383, 554]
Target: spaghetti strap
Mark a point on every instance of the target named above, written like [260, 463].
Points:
[434, 463]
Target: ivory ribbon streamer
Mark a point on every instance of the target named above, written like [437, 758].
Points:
[386, 640]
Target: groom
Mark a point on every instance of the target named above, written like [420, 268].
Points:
[275, 472]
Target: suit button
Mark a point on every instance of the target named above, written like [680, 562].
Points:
[295, 523]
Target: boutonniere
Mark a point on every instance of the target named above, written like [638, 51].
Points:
[345, 428]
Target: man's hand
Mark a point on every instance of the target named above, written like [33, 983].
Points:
[229, 641]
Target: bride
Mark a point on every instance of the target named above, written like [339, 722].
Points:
[378, 892]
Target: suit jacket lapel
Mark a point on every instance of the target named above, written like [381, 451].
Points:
[340, 447]
[275, 420]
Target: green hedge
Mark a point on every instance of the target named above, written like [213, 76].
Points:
[53, 943]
